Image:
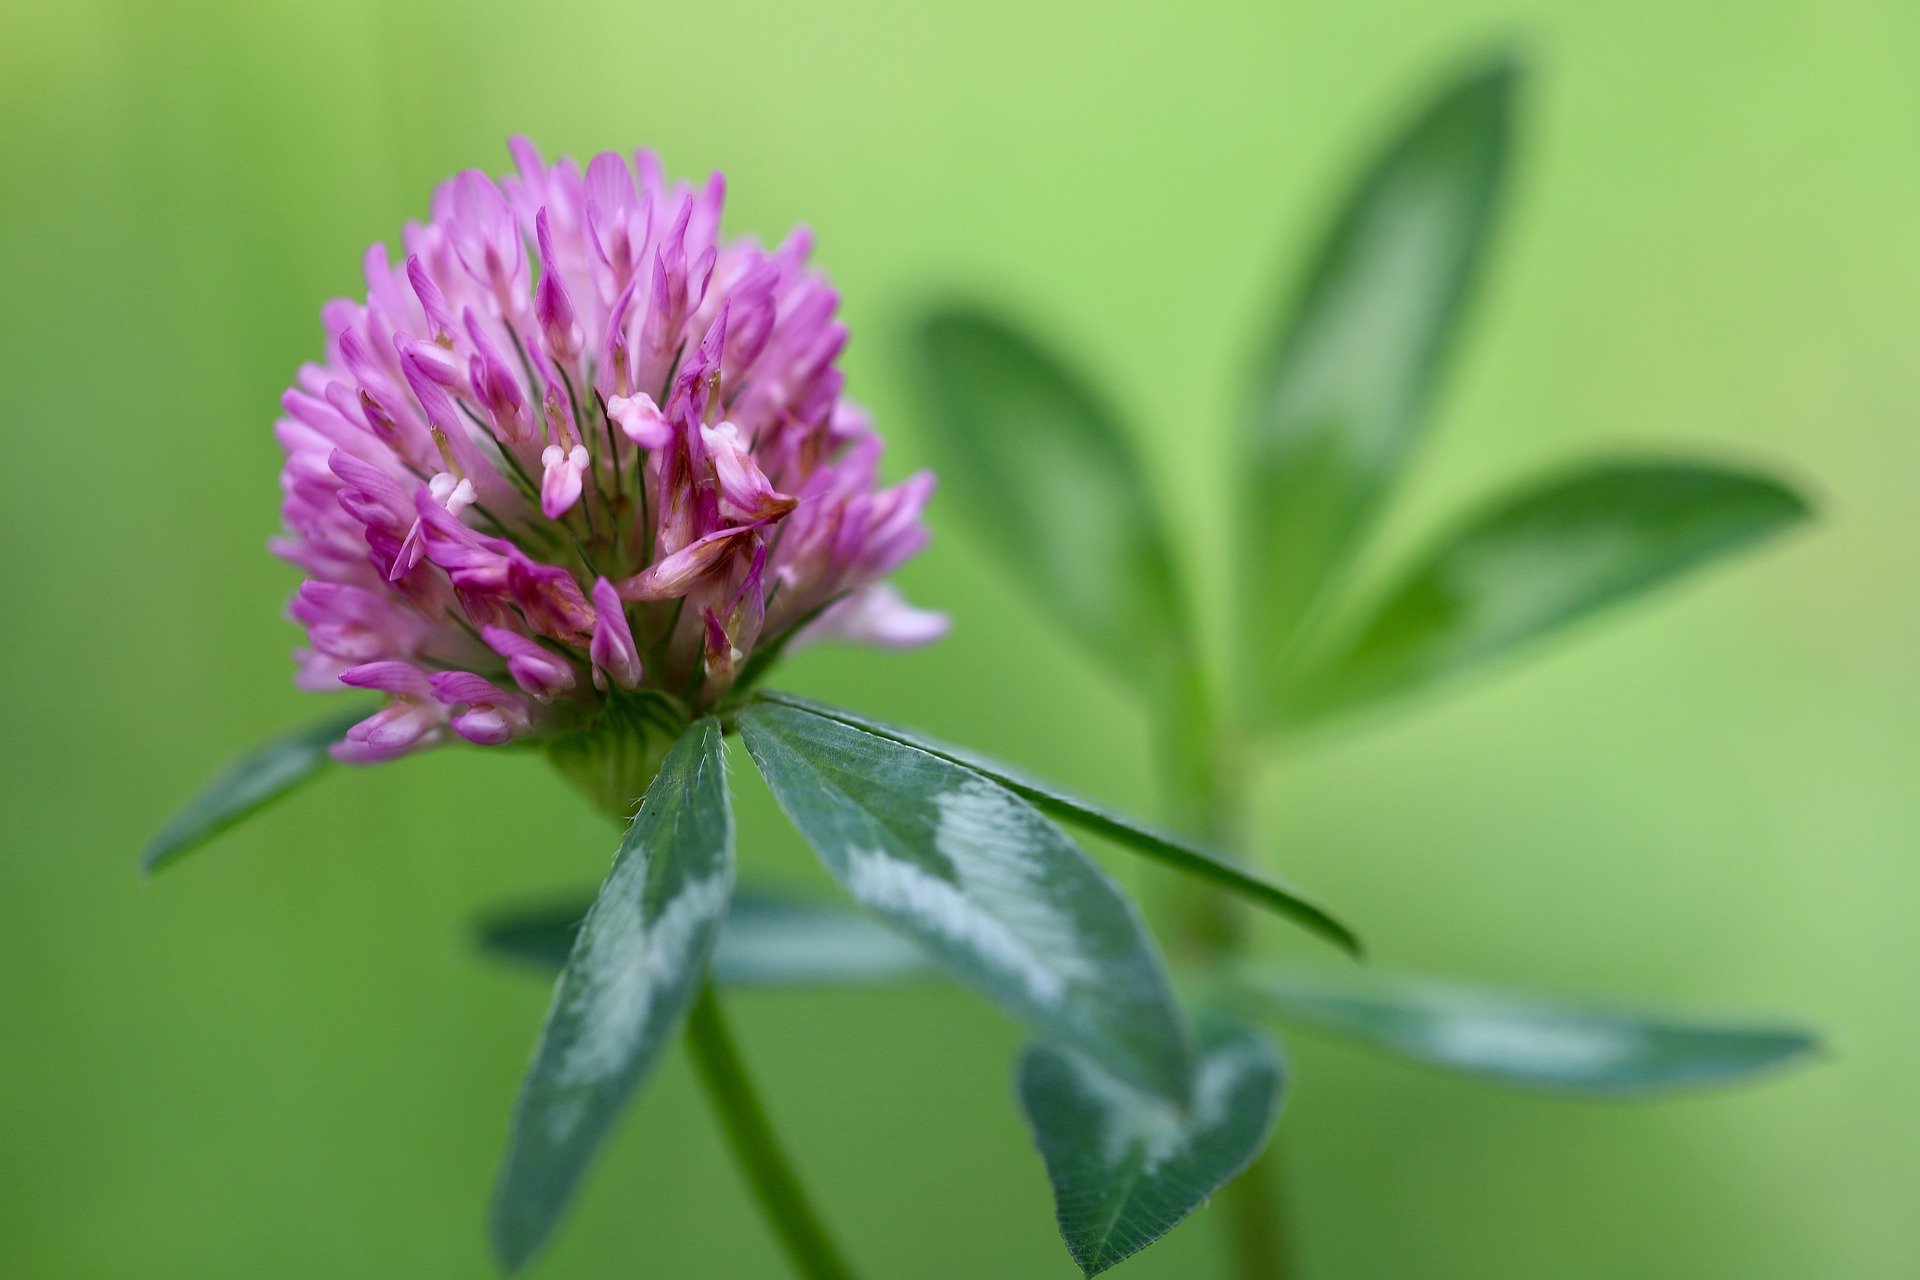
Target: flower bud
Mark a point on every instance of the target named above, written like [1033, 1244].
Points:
[613, 650]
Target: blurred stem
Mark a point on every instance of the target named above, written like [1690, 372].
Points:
[1257, 1220]
[776, 1188]
[1209, 785]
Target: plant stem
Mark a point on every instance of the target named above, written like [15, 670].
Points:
[1257, 1220]
[1207, 780]
[755, 1148]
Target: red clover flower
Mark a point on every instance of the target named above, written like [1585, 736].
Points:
[576, 463]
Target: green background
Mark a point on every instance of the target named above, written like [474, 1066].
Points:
[281, 1060]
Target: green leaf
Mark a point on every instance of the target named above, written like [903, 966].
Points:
[540, 936]
[768, 940]
[634, 971]
[1340, 401]
[780, 942]
[1127, 1167]
[1052, 482]
[1520, 1039]
[994, 892]
[247, 786]
[1182, 855]
[1540, 560]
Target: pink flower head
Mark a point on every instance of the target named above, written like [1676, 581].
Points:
[576, 449]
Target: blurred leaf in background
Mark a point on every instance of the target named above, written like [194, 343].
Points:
[1055, 485]
[1538, 561]
[1516, 1039]
[1341, 398]
[218, 1073]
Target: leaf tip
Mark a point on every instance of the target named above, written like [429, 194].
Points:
[1094, 1258]
[155, 857]
[938, 325]
[1498, 69]
[1777, 505]
[514, 1236]
[1796, 504]
[1490, 78]
[1800, 1044]
[1333, 929]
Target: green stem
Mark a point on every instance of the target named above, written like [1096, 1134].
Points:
[755, 1148]
[1206, 776]
[1257, 1220]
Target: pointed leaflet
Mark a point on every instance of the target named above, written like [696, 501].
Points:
[767, 940]
[634, 970]
[1126, 1167]
[247, 786]
[1340, 401]
[993, 891]
[1539, 561]
[1055, 486]
[1183, 855]
[1521, 1039]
